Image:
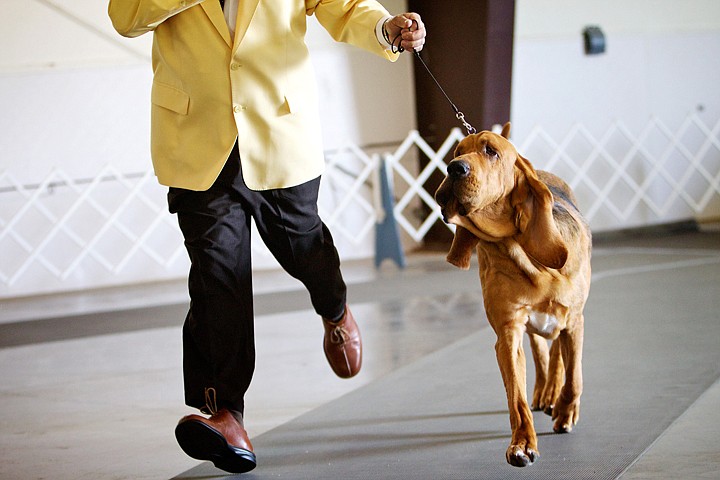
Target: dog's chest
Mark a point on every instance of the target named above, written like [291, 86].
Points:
[542, 323]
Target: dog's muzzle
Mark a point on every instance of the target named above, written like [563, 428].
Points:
[445, 198]
[458, 169]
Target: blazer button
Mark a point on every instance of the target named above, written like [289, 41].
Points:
[238, 108]
[235, 66]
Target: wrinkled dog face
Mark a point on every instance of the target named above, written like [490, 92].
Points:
[480, 174]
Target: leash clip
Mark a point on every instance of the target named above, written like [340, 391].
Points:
[470, 129]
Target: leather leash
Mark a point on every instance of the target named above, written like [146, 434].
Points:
[458, 114]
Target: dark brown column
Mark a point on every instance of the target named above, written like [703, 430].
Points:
[469, 50]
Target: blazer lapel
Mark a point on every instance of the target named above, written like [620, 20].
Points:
[246, 10]
[215, 13]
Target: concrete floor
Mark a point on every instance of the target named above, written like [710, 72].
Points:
[92, 389]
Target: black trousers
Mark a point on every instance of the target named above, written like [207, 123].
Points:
[218, 334]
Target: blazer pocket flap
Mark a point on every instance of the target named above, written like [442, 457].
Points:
[170, 97]
[294, 103]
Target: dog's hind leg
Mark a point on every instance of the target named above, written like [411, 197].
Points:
[541, 358]
[555, 379]
[566, 412]
[511, 359]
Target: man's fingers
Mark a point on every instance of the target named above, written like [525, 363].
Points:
[401, 22]
[409, 30]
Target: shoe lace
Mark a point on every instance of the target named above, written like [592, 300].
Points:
[210, 401]
[339, 335]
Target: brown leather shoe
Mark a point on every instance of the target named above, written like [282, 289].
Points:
[343, 346]
[220, 439]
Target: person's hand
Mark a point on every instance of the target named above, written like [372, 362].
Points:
[406, 30]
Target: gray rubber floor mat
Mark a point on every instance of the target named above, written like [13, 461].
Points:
[651, 349]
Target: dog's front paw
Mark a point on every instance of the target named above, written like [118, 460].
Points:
[519, 456]
[566, 416]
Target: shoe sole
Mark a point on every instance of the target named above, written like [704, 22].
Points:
[202, 442]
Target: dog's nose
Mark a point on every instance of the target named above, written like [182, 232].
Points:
[458, 169]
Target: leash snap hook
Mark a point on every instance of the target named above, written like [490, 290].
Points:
[470, 129]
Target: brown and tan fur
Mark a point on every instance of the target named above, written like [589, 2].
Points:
[533, 249]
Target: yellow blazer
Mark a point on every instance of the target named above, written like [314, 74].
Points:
[259, 88]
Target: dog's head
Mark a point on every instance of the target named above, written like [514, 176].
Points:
[480, 175]
[495, 193]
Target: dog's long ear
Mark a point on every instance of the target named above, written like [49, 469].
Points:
[533, 202]
[462, 248]
[506, 130]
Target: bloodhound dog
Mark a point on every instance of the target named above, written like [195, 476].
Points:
[533, 247]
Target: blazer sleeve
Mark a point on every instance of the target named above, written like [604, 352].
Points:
[132, 18]
[352, 21]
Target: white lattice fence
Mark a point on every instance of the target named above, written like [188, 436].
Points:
[625, 180]
[622, 179]
[65, 233]
[114, 228]
[413, 192]
[69, 233]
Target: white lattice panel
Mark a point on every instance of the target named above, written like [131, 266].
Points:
[114, 228]
[408, 220]
[66, 231]
[347, 204]
[624, 179]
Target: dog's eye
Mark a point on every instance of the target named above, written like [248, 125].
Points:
[490, 152]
